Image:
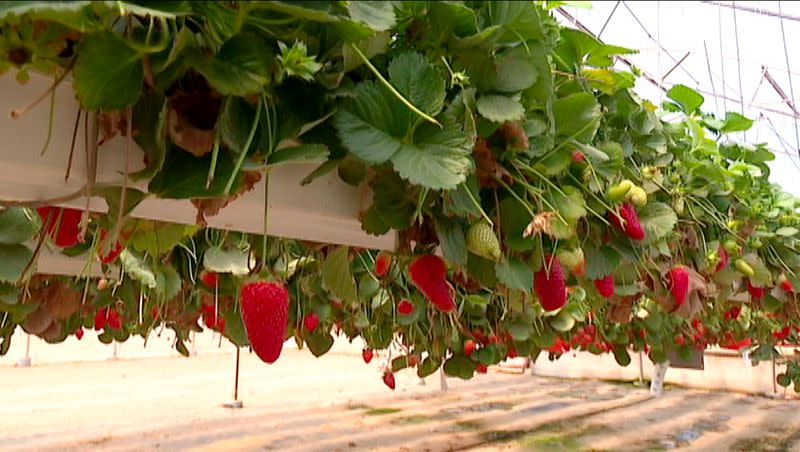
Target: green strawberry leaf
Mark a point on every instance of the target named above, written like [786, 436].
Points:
[156, 238]
[336, 276]
[319, 343]
[108, 74]
[73, 14]
[428, 366]
[577, 116]
[18, 225]
[242, 67]
[304, 153]
[516, 71]
[569, 202]
[498, 108]
[452, 240]
[13, 260]
[440, 160]
[658, 220]
[601, 262]
[459, 366]
[687, 99]
[515, 274]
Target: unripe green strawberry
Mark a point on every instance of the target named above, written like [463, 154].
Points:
[732, 247]
[482, 241]
[571, 259]
[619, 191]
[637, 196]
[678, 204]
[744, 268]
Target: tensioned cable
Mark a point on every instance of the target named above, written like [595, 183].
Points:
[739, 65]
[789, 74]
[657, 41]
[721, 59]
[710, 77]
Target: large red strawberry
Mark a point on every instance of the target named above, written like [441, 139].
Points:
[429, 272]
[605, 286]
[627, 222]
[366, 354]
[265, 311]
[61, 224]
[679, 284]
[382, 264]
[551, 287]
[756, 292]
[388, 380]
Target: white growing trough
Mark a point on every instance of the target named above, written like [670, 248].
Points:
[326, 210]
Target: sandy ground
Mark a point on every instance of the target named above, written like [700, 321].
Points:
[337, 403]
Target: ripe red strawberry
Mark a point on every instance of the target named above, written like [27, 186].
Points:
[733, 313]
[79, 333]
[757, 293]
[311, 321]
[154, 313]
[605, 286]
[265, 308]
[382, 264]
[724, 259]
[210, 279]
[482, 368]
[101, 319]
[512, 353]
[405, 307]
[680, 340]
[429, 272]
[551, 287]
[366, 354]
[113, 253]
[469, 347]
[679, 284]
[632, 227]
[786, 285]
[577, 156]
[61, 224]
[388, 380]
[114, 322]
[782, 334]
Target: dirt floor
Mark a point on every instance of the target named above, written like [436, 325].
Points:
[337, 403]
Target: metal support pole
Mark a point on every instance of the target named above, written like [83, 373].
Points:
[442, 381]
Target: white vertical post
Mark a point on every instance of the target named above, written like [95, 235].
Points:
[25, 361]
[657, 383]
[442, 380]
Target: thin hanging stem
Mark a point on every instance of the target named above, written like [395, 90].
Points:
[18, 113]
[393, 90]
[50, 123]
[247, 145]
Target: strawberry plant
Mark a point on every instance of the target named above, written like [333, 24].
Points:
[538, 202]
